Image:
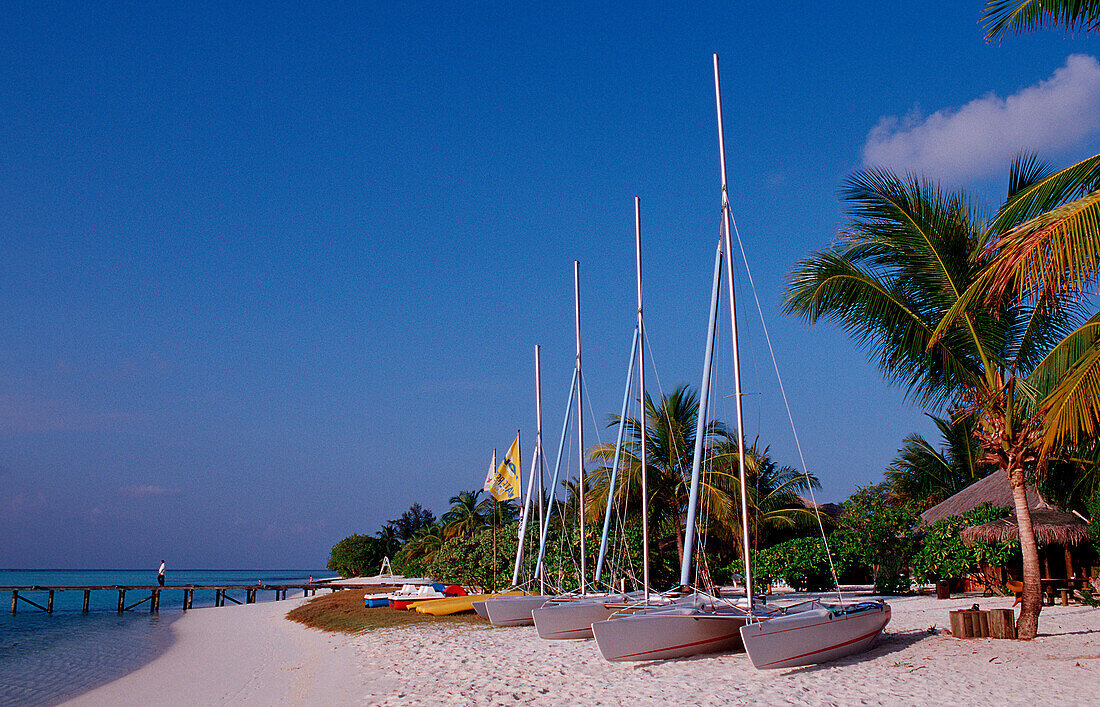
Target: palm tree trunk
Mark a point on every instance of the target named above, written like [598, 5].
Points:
[1031, 602]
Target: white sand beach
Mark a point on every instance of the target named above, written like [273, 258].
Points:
[248, 654]
[255, 656]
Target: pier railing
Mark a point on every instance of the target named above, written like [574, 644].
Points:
[221, 593]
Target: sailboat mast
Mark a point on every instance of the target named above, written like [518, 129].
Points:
[617, 460]
[726, 223]
[538, 450]
[580, 416]
[701, 420]
[641, 389]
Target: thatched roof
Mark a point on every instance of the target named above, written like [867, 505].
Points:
[1051, 528]
[993, 488]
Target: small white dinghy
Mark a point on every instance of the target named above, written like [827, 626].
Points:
[814, 633]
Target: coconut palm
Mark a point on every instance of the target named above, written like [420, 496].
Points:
[898, 272]
[773, 492]
[465, 517]
[924, 473]
[1002, 16]
[425, 543]
[498, 513]
[389, 539]
[1053, 253]
[670, 429]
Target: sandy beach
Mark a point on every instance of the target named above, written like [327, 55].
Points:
[249, 654]
[253, 655]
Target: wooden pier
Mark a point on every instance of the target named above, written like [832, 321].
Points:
[153, 592]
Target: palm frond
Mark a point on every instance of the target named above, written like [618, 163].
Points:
[1051, 254]
[1072, 410]
[1018, 16]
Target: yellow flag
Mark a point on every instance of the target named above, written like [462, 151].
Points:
[506, 484]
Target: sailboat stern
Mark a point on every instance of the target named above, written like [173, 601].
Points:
[671, 633]
[816, 635]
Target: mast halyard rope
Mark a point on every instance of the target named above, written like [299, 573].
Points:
[787, 406]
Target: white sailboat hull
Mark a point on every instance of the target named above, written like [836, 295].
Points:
[513, 611]
[667, 633]
[571, 619]
[813, 636]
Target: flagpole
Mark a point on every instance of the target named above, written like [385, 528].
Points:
[494, 523]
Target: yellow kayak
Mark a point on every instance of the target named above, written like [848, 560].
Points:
[455, 605]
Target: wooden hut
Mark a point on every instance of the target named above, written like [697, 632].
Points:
[1065, 549]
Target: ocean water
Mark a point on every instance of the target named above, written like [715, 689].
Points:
[48, 658]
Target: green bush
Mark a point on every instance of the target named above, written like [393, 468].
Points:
[801, 563]
[944, 555]
[469, 561]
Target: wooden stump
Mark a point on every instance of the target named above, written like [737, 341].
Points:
[1002, 623]
[968, 623]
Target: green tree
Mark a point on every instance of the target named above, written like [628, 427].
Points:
[895, 282]
[411, 521]
[355, 555]
[465, 517]
[773, 496]
[923, 473]
[425, 543]
[875, 533]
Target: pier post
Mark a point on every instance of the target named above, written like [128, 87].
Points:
[121, 600]
[87, 594]
[219, 597]
[49, 603]
[14, 599]
[187, 598]
[154, 601]
[250, 596]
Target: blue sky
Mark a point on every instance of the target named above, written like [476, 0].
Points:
[271, 274]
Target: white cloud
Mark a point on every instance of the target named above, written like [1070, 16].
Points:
[982, 137]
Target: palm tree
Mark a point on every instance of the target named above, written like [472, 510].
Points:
[924, 473]
[1051, 251]
[498, 513]
[389, 540]
[773, 492]
[670, 444]
[898, 273]
[425, 543]
[1001, 16]
[465, 516]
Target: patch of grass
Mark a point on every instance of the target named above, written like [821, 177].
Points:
[344, 611]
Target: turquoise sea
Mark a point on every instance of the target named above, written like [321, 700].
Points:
[48, 658]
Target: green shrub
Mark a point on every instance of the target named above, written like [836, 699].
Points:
[801, 563]
[944, 555]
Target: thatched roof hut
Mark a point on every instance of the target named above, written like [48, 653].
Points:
[994, 488]
[1051, 528]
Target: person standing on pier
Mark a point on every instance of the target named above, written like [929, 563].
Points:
[160, 574]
